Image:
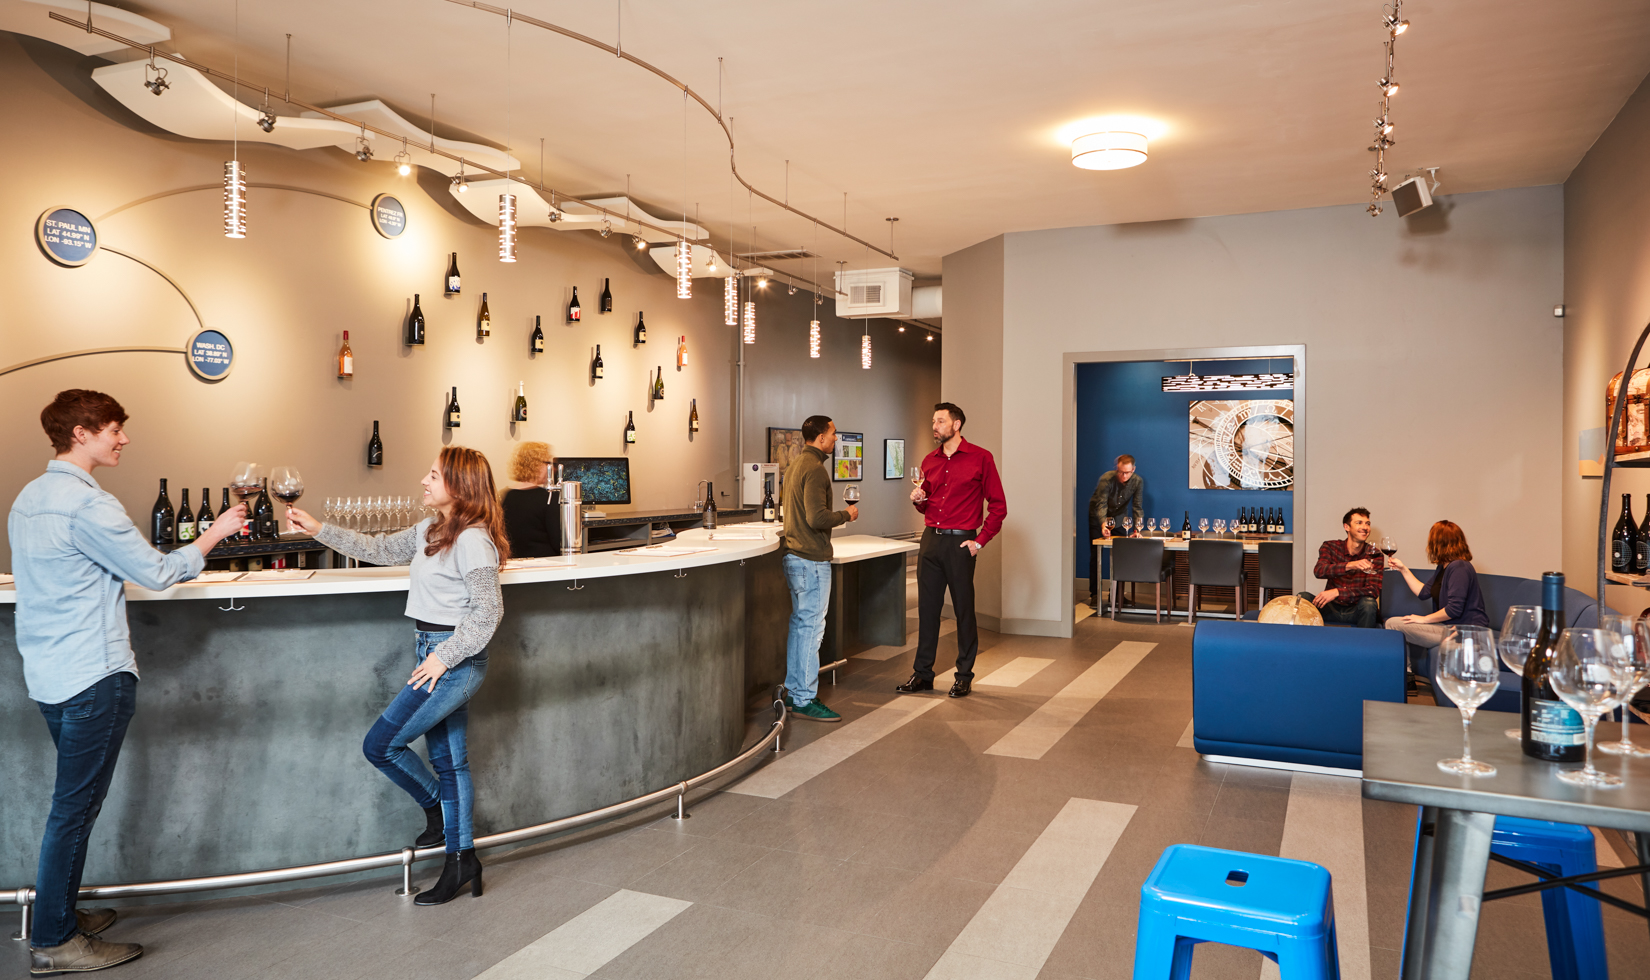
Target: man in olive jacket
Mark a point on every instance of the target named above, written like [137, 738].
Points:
[808, 522]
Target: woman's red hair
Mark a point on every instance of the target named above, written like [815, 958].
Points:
[469, 481]
[1446, 543]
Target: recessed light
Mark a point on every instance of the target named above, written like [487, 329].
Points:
[1112, 150]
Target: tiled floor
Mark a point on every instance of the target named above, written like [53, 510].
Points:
[918, 853]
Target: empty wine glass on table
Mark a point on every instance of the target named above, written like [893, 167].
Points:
[1467, 672]
[287, 485]
[1203, 525]
[1128, 525]
[1220, 526]
[1589, 676]
[1636, 662]
[1151, 525]
[1517, 639]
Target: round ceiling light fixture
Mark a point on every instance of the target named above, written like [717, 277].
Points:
[1108, 150]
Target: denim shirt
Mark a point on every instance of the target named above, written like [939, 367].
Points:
[72, 550]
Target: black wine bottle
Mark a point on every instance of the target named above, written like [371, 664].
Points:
[596, 365]
[1624, 537]
[452, 275]
[161, 519]
[375, 447]
[538, 337]
[520, 413]
[415, 325]
[453, 413]
[693, 417]
[186, 519]
[268, 529]
[607, 296]
[769, 510]
[630, 429]
[203, 520]
[1551, 729]
[640, 336]
[573, 307]
[484, 323]
[708, 517]
[224, 509]
[1641, 550]
[1186, 526]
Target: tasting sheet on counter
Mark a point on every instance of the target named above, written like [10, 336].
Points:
[662, 551]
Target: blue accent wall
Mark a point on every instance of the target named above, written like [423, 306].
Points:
[1122, 408]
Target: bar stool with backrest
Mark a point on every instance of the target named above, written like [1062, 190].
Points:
[1214, 563]
[1277, 569]
[1141, 560]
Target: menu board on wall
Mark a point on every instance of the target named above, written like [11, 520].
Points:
[849, 457]
[66, 236]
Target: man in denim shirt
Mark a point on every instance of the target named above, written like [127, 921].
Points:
[73, 549]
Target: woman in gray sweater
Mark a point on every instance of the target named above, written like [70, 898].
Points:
[455, 603]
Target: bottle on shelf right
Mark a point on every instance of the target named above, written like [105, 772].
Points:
[1641, 548]
[1624, 540]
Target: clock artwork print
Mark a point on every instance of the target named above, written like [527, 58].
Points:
[1242, 445]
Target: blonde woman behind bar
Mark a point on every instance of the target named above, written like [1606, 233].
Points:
[532, 512]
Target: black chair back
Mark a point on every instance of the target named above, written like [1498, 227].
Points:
[1215, 562]
[1277, 565]
[1137, 560]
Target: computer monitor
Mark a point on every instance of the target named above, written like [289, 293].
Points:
[602, 479]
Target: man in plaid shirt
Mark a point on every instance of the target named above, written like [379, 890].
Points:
[1354, 570]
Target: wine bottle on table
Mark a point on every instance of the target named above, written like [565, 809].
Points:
[693, 417]
[606, 305]
[640, 337]
[375, 447]
[596, 365]
[452, 275]
[1186, 526]
[573, 307]
[520, 414]
[1641, 550]
[1624, 538]
[264, 515]
[1551, 730]
[415, 325]
[162, 518]
[630, 429]
[186, 520]
[538, 337]
[203, 520]
[453, 413]
[484, 324]
[346, 359]
[769, 511]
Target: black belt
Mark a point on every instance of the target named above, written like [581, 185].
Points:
[970, 532]
[431, 627]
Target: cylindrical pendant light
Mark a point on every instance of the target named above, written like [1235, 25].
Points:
[813, 338]
[234, 200]
[865, 350]
[684, 269]
[750, 321]
[506, 227]
[730, 299]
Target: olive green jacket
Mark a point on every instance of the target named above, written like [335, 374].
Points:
[808, 514]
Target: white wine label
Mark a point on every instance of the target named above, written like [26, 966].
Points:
[456, 418]
[452, 284]
[349, 364]
[1555, 723]
[186, 531]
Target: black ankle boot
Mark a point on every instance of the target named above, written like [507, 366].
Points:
[435, 832]
[459, 870]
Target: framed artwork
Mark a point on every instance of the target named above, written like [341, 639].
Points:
[784, 445]
[849, 458]
[893, 459]
[1241, 445]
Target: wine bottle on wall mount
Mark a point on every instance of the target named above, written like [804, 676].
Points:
[484, 323]
[693, 417]
[538, 337]
[640, 336]
[162, 518]
[630, 429]
[520, 413]
[203, 520]
[1624, 538]
[452, 275]
[573, 307]
[375, 447]
[606, 304]
[659, 385]
[681, 352]
[346, 359]
[415, 325]
[596, 365]
[1551, 729]
[453, 414]
[186, 520]
[1641, 551]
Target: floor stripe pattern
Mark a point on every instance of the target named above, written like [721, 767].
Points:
[1038, 733]
[797, 766]
[590, 940]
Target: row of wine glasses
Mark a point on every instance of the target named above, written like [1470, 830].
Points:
[372, 514]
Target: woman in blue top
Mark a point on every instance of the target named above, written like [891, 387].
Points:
[1456, 599]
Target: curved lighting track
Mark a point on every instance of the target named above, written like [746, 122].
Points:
[90, 350]
[733, 163]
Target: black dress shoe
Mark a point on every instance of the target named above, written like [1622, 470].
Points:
[459, 870]
[435, 831]
[915, 684]
[962, 687]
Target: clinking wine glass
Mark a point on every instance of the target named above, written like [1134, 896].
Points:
[245, 480]
[287, 485]
[1589, 676]
[1468, 673]
[1517, 639]
[1636, 658]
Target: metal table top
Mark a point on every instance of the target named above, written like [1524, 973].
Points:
[1403, 743]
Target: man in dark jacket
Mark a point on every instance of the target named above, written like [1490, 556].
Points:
[808, 522]
[1121, 492]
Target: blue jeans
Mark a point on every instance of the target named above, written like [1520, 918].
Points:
[88, 730]
[441, 716]
[810, 583]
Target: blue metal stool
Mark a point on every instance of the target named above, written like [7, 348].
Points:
[1575, 923]
[1283, 908]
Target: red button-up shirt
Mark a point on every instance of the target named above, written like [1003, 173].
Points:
[959, 486]
[1334, 556]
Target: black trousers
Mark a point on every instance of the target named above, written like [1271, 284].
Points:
[942, 563]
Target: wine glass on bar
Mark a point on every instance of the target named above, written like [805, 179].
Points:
[1467, 672]
[1636, 657]
[287, 485]
[1203, 525]
[1518, 632]
[1128, 525]
[1220, 526]
[1589, 676]
[1110, 524]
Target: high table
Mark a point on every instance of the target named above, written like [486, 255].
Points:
[1402, 746]
[1251, 564]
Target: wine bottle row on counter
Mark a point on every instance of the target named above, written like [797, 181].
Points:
[169, 527]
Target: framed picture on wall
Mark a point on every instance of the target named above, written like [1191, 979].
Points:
[784, 445]
[1241, 445]
[893, 459]
[850, 457]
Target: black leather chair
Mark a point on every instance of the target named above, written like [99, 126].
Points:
[1141, 560]
[1277, 569]
[1214, 563]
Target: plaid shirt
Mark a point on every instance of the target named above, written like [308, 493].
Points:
[1353, 584]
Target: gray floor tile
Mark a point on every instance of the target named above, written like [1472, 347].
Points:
[928, 910]
[694, 875]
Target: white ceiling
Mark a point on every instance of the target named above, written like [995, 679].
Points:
[944, 113]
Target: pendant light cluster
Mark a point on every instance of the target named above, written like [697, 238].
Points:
[730, 300]
[1393, 20]
[234, 175]
[506, 227]
[750, 321]
[684, 269]
[865, 349]
[813, 338]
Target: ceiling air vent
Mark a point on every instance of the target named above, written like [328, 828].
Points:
[873, 292]
[866, 295]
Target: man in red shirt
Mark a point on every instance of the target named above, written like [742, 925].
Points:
[1354, 568]
[959, 480]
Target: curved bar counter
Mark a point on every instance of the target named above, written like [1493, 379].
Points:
[606, 680]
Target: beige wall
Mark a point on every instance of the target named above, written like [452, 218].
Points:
[1607, 303]
[1432, 352]
[311, 267]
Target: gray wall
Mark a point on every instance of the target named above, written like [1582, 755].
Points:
[1607, 302]
[1434, 359]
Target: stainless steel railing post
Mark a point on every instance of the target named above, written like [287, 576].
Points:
[25, 899]
[407, 889]
[681, 797]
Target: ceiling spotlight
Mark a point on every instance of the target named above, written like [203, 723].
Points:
[363, 149]
[641, 244]
[555, 215]
[1384, 125]
[460, 184]
[403, 160]
[607, 226]
[929, 337]
[266, 118]
[792, 290]
[1112, 150]
[1389, 87]
[710, 263]
[902, 328]
[762, 282]
[1394, 25]
[158, 83]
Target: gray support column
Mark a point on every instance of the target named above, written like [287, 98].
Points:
[1460, 857]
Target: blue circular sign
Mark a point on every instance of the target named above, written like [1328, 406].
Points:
[66, 236]
[389, 216]
[209, 354]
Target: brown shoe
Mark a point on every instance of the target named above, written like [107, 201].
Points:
[94, 921]
[81, 954]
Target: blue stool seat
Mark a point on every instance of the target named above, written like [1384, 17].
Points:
[1283, 908]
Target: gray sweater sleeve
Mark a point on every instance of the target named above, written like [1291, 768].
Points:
[390, 549]
[473, 632]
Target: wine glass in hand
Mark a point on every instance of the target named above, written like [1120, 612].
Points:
[1636, 658]
[1518, 632]
[245, 480]
[287, 485]
[1467, 672]
[1589, 676]
[914, 474]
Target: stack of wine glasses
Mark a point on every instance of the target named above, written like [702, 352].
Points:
[372, 515]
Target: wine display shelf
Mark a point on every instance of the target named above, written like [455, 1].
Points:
[284, 545]
[1633, 460]
[1622, 578]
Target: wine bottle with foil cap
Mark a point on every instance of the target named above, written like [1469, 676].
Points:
[375, 447]
[454, 416]
[537, 345]
[639, 338]
[346, 359]
[484, 322]
[597, 371]
[520, 412]
[606, 304]
[630, 429]
[573, 307]
[1550, 729]
[204, 519]
[415, 325]
[452, 276]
